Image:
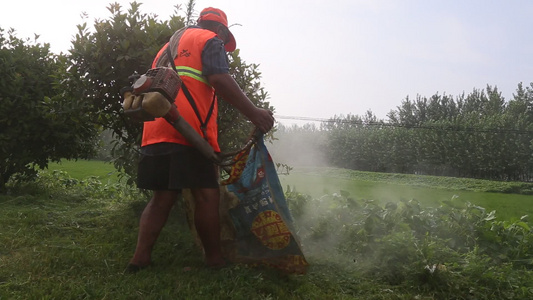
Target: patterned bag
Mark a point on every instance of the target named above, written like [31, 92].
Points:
[263, 225]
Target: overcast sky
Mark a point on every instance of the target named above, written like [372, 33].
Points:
[324, 58]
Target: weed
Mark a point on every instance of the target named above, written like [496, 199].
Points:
[455, 249]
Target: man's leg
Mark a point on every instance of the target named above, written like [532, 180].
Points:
[153, 219]
[207, 223]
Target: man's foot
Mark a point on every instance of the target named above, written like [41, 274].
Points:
[132, 268]
[217, 264]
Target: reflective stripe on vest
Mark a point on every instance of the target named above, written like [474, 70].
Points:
[191, 72]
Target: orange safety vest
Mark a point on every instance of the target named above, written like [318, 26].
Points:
[189, 67]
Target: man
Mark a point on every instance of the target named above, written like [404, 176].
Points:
[169, 163]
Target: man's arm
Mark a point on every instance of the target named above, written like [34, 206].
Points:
[227, 88]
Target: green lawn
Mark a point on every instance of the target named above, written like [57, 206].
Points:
[81, 169]
[392, 188]
[430, 190]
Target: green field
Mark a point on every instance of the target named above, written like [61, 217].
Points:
[430, 191]
[383, 188]
[81, 169]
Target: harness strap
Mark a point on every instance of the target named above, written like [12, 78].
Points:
[203, 124]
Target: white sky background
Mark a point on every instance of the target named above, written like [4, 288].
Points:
[323, 58]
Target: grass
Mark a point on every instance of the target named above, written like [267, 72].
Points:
[64, 239]
[381, 187]
[81, 169]
[430, 190]
[71, 245]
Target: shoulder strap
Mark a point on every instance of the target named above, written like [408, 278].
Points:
[203, 124]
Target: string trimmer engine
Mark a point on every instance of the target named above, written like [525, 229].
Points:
[157, 81]
[163, 80]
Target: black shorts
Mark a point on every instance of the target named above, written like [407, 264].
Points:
[184, 167]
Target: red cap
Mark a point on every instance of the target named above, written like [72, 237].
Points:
[217, 15]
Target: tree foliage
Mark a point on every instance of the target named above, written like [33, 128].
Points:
[40, 121]
[478, 135]
[101, 61]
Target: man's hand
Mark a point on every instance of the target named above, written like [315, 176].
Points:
[263, 119]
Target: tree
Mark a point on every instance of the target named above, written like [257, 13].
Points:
[101, 64]
[476, 135]
[39, 121]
